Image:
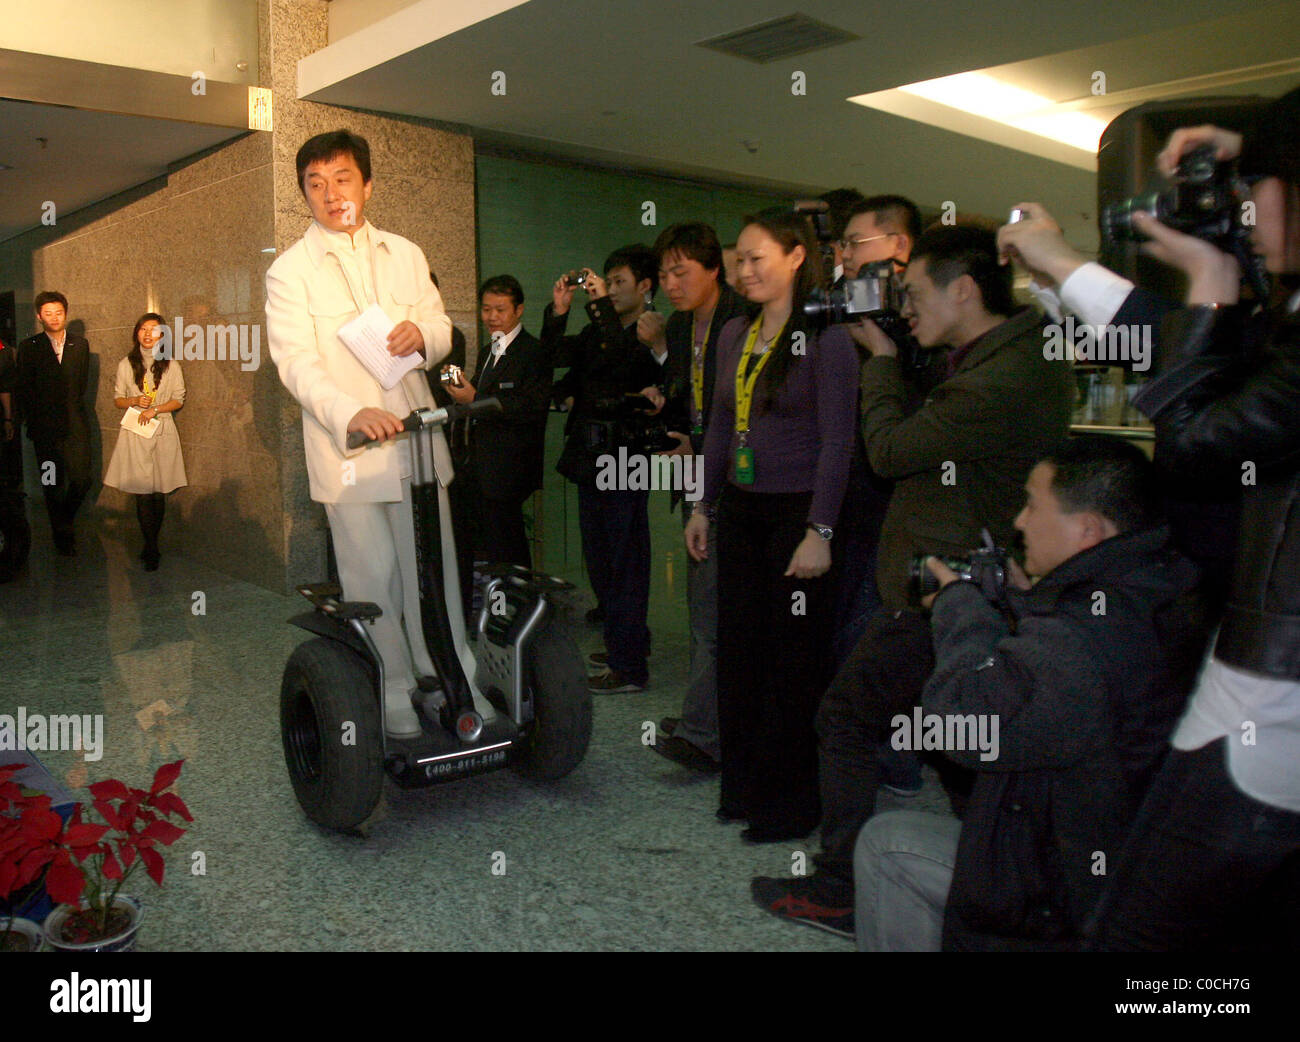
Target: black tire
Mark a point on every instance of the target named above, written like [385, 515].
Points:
[15, 535]
[561, 728]
[325, 687]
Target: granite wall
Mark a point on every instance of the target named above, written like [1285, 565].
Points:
[197, 244]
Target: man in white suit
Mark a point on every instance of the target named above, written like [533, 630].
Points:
[341, 266]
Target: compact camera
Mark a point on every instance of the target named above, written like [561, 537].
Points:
[575, 278]
[453, 376]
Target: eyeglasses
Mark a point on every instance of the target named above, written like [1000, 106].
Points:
[850, 244]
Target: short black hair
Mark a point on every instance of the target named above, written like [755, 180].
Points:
[893, 212]
[324, 147]
[695, 241]
[50, 296]
[638, 258]
[1106, 475]
[842, 202]
[502, 285]
[951, 251]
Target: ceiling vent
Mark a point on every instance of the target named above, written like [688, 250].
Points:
[779, 38]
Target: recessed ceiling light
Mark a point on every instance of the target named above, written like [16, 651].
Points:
[950, 101]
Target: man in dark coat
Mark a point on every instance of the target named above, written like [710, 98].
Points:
[690, 272]
[1060, 697]
[607, 362]
[52, 372]
[958, 464]
[499, 461]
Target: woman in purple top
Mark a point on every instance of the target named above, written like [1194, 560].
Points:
[776, 461]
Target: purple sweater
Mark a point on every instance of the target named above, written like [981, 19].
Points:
[805, 440]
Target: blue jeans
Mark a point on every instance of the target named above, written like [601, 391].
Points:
[902, 870]
[1205, 868]
[615, 528]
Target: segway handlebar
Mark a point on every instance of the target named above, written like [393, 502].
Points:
[422, 418]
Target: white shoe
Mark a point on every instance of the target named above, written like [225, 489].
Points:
[400, 720]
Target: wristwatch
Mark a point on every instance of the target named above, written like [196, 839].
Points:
[825, 531]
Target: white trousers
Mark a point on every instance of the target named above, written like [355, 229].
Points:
[374, 546]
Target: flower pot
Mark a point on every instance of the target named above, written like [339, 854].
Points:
[22, 929]
[121, 941]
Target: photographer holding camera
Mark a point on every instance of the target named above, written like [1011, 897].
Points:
[1215, 854]
[691, 274]
[959, 463]
[606, 364]
[1070, 677]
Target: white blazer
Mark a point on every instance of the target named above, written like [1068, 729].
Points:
[307, 299]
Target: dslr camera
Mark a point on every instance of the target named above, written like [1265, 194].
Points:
[623, 422]
[1204, 200]
[875, 293]
[985, 567]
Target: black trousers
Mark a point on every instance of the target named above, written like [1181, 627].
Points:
[149, 511]
[884, 675]
[773, 661]
[63, 471]
[1205, 868]
[486, 529]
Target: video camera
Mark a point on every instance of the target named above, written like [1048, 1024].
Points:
[624, 422]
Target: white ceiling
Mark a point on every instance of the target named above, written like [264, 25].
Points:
[621, 82]
[88, 156]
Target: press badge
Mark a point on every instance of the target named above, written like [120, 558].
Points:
[744, 465]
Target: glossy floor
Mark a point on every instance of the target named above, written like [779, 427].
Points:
[185, 662]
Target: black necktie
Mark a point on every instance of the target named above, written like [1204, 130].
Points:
[487, 367]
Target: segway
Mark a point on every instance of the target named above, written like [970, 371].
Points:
[518, 698]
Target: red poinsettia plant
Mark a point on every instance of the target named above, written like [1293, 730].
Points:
[83, 859]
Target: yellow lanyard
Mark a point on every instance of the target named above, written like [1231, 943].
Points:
[745, 382]
[698, 349]
[150, 391]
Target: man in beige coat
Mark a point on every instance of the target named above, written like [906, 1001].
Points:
[341, 266]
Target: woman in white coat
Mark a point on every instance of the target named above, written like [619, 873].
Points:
[148, 467]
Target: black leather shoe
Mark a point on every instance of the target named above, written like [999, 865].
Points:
[680, 751]
[728, 816]
[669, 724]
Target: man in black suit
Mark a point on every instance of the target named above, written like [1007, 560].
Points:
[691, 274]
[500, 453]
[52, 371]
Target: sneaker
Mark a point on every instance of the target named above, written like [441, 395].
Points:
[599, 658]
[805, 900]
[611, 682]
[682, 752]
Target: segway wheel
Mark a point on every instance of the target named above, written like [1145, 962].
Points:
[15, 535]
[330, 726]
[561, 707]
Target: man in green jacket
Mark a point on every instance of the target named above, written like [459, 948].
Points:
[959, 464]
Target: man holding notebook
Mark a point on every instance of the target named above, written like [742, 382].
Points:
[344, 267]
